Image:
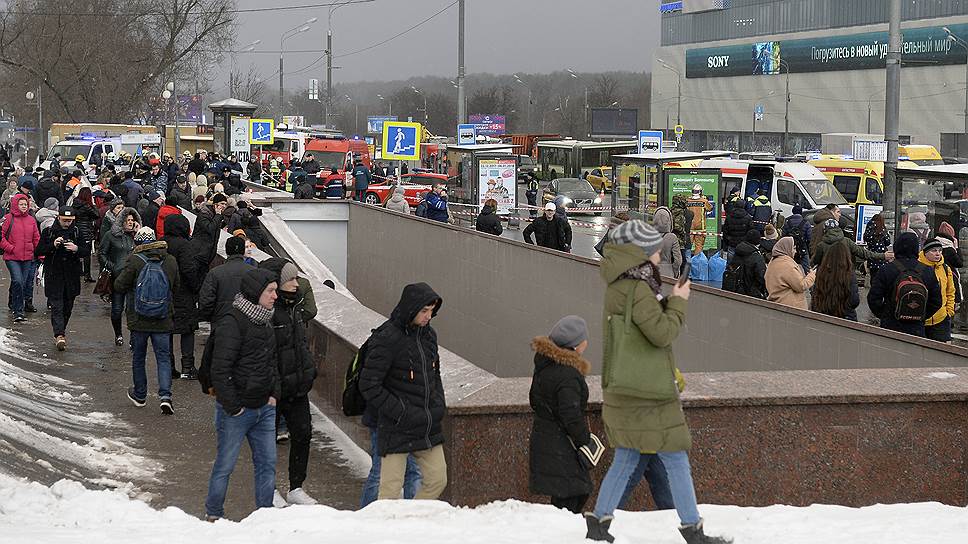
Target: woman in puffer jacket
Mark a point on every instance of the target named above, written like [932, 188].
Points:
[19, 238]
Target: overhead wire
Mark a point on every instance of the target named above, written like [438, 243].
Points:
[235, 10]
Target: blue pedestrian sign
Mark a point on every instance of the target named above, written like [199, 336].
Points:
[650, 141]
[260, 132]
[466, 134]
[758, 111]
[401, 141]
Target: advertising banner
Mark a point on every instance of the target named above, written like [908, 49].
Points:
[374, 123]
[239, 138]
[705, 225]
[496, 179]
[615, 122]
[867, 51]
[864, 214]
[488, 125]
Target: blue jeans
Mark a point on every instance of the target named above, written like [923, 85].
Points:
[21, 275]
[680, 482]
[117, 310]
[161, 345]
[411, 480]
[651, 468]
[258, 425]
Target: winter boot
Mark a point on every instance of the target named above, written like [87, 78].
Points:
[29, 308]
[188, 368]
[598, 528]
[694, 535]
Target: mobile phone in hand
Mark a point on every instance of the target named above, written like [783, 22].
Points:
[684, 274]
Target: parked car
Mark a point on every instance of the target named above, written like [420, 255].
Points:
[377, 194]
[575, 193]
[526, 165]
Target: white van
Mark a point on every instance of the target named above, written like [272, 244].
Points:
[89, 149]
[787, 184]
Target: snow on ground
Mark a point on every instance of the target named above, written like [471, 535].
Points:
[46, 420]
[66, 512]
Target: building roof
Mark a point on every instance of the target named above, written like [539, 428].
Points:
[233, 103]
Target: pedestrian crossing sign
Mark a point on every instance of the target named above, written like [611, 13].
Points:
[401, 141]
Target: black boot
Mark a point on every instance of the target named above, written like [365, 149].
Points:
[29, 308]
[188, 368]
[694, 535]
[598, 528]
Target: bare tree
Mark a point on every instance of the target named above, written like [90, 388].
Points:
[104, 60]
[604, 91]
[249, 86]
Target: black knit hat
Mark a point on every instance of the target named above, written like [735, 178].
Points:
[753, 236]
[254, 282]
[234, 246]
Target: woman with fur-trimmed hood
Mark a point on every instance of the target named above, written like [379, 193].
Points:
[559, 396]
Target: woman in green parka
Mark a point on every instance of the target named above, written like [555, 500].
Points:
[636, 422]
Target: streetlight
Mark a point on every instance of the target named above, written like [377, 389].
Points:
[247, 49]
[786, 109]
[389, 104]
[668, 66]
[356, 120]
[870, 99]
[40, 121]
[426, 116]
[528, 87]
[298, 29]
[613, 104]
[169, 92]
[575, 76]
[955, 39]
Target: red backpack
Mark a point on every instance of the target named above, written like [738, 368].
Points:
[910, 295]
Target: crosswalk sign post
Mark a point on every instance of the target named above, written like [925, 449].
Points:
[260, 132]
[401, 141]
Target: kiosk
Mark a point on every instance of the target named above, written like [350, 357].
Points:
[639, 183]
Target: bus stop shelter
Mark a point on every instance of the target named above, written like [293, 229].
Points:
[931, 195]
[477, 172]
[639, 181]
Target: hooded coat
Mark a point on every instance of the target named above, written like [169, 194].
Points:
[670, 254]
[880, 298]
[219, 288]
[126, 281]
[178, 237]
[681, 220]
[48, 214]
[835, 235]
[19, 236]
[489, 222]
[208, 224]
[631, 422]
[785, 281]
[297, 369]
[397, 203]
[559, 398]
[736, 225]
[754, 267]
[117, 244]
[62, 268]
[400, 379]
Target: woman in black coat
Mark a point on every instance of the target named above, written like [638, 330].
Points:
[184, 297]
[488, 221]
[559, 397]
[87, 216]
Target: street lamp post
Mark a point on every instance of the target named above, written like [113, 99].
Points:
[246, 49]
[575, 76]
[169, 92]
[786, 110]
[40, 121]
[964, 45]
[426, 115]
[356, 120]
[389, 104]
[668, 66]
[528, 87]
[302, 27]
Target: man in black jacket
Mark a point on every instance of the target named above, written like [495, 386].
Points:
[62, 248]
[297, 371]
[223, 282]
[401, 382]
[752, 267]
[549, 230]
[245, 380]
[489, 221]
[185, 295]
[735, 227]
[880, 298]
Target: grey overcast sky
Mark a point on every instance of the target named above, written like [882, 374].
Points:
[502, 36]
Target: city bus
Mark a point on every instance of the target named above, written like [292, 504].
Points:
[576, 158]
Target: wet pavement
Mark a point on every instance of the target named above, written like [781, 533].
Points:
[65, 415]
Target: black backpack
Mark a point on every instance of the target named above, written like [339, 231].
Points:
[734, 277]
[353, 402]
[910, 295]
[421, 210]
[799, 241]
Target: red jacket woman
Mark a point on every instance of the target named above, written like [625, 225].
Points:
[19, 238]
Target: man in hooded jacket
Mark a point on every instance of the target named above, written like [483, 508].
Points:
[881, 299]
[400, 381]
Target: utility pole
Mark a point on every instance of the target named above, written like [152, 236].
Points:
[329, 71]
[461, 106]
[280, 79]
[892, 190]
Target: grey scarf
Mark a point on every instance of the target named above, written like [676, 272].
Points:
[257, 314]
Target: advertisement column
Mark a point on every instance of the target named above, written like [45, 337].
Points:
[496, 179]
[240, 138]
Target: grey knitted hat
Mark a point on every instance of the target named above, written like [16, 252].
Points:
[569, 331]
[639, 233]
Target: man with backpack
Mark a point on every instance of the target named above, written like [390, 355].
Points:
[149, 277]
[905, 293]
[400, 381]
[62, 248]
[799, 229]
[746, 272]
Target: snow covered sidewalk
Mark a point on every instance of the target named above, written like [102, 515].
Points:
[66, 512]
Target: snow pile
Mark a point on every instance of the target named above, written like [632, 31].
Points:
[66, 512]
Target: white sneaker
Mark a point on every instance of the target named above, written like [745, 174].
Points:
[278, 501]
[298, 496]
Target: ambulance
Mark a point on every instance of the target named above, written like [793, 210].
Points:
[861, 182]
